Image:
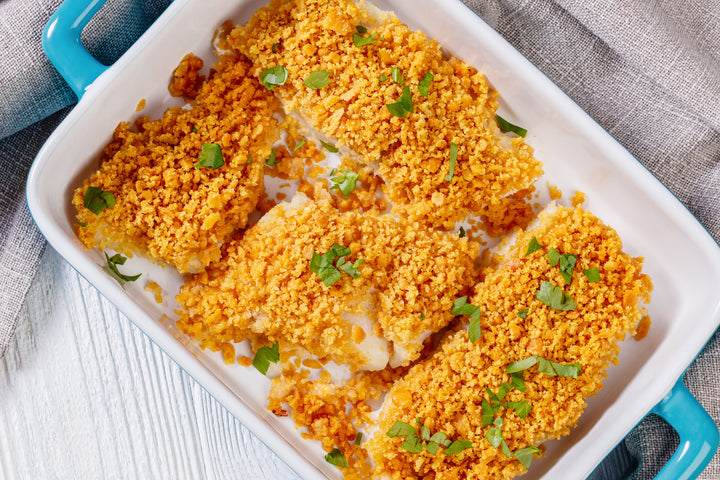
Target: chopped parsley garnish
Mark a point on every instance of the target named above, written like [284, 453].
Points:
[82, 224]
[383, 78]
[329, 147]
[506, 126]
[416, 441]
[553, 257]
[113, 262]
[525, 455]
[336, 457]
[345, 181]
[96, 200]
[453, 160]
[358, 438]
[274, 76]
[592, 275]
[330, 265]
[461, 307]
[424, 85]
[194, 129]
[360, 41]
[298, 146]
[397, 76]
[249, 159]
[277, 47]
[272, 159]
[545, 366]
[404, 104]
[361, 29]
[422, 315]
[523, 313]
[462, 233]
[533, 246]
[554, 297]
[317, 79]
[210, 156]
[264, 356]
[567, 263]
[495, 437]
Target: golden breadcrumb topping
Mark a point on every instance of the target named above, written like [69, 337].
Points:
[167, 209]
[409, 279]
[446, 390]
[187, 81]
[413, 153]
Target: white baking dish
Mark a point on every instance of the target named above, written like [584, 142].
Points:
[681, 257]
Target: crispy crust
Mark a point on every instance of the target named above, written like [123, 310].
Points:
[167, 209]
[446, 390]
[412, 152]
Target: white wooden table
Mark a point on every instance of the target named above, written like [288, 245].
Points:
[84, 394]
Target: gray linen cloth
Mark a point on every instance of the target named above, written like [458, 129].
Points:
[647, 71]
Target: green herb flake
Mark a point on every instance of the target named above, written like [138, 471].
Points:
[298, 146]
[571, 370]
[525, 455]
[494, 433]
[330, 265]
[488, 412]
[249, 159]
[521, 365]
[523, 313]
[112, 263]
[400, 429]
[517, 381]
[506, 126]
[462, 233]
[360, 41]
[264, 356]
[82, 224]
[554, 297]
[441, 439]
[422, 315]
[397, 76]
[336, 457]
[533, 246]
[345, 181]
[461, 307]
[276, 47]
[553, 257]
[317, 79]
[403, 106]
[474, 329]
[522, 409]
[544, 366]
[361, 29]
[194, 129]
[383, 78]
[424, 85]
[96, 200]
[453, 161]
[349, 268]
[329, 147]
[210, 156]
[458, 446]
[567, 264]
[412, 444]
[358, 438]
[592, 275]
[272, 159]
[274, 76]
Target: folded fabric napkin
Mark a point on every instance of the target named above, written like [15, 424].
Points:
[649, 72]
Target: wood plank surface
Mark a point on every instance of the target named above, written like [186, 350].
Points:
[85, 394]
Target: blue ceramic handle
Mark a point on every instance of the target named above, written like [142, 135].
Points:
[62, 44]
[698, 433]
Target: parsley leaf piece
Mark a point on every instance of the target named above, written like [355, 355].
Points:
[412, 444]
[462, 233]
[274, 76]
[422, 315]
[336, 457]
[424, 85]
[249, 160]
[544, 366]
[517, 380]
[349, 268]
[505, 449]
[193, 129]
[522, 408]
[397, 76]
[461, 307]
[360, 41]
[592, 275]
[277, 46]
[425, 433]
[329, 147]
[521, 365]
[567, 264]
[554, 297]
[264, 356]
[570, 370]
[82, 224]
[324, 268]
[432, 447]
[317, 79]
[272, 159]
[298, 146]
[345, 181]
[210, 156]
[358, 438]
[533, 246]
[525, 455]
[404, 104]
[361, 29]
[113, 262]
[504, 389]
[453, 161]
[523, 313]
[458, 446]
[493, 398]
[494, 433]
[383, 78]
[488, 412]
[506, 126]
[400, 429]
[474, 329]
[441, 439]
[96, 200]
[553, 257]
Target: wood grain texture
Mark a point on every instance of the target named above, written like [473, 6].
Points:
[86, 394]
